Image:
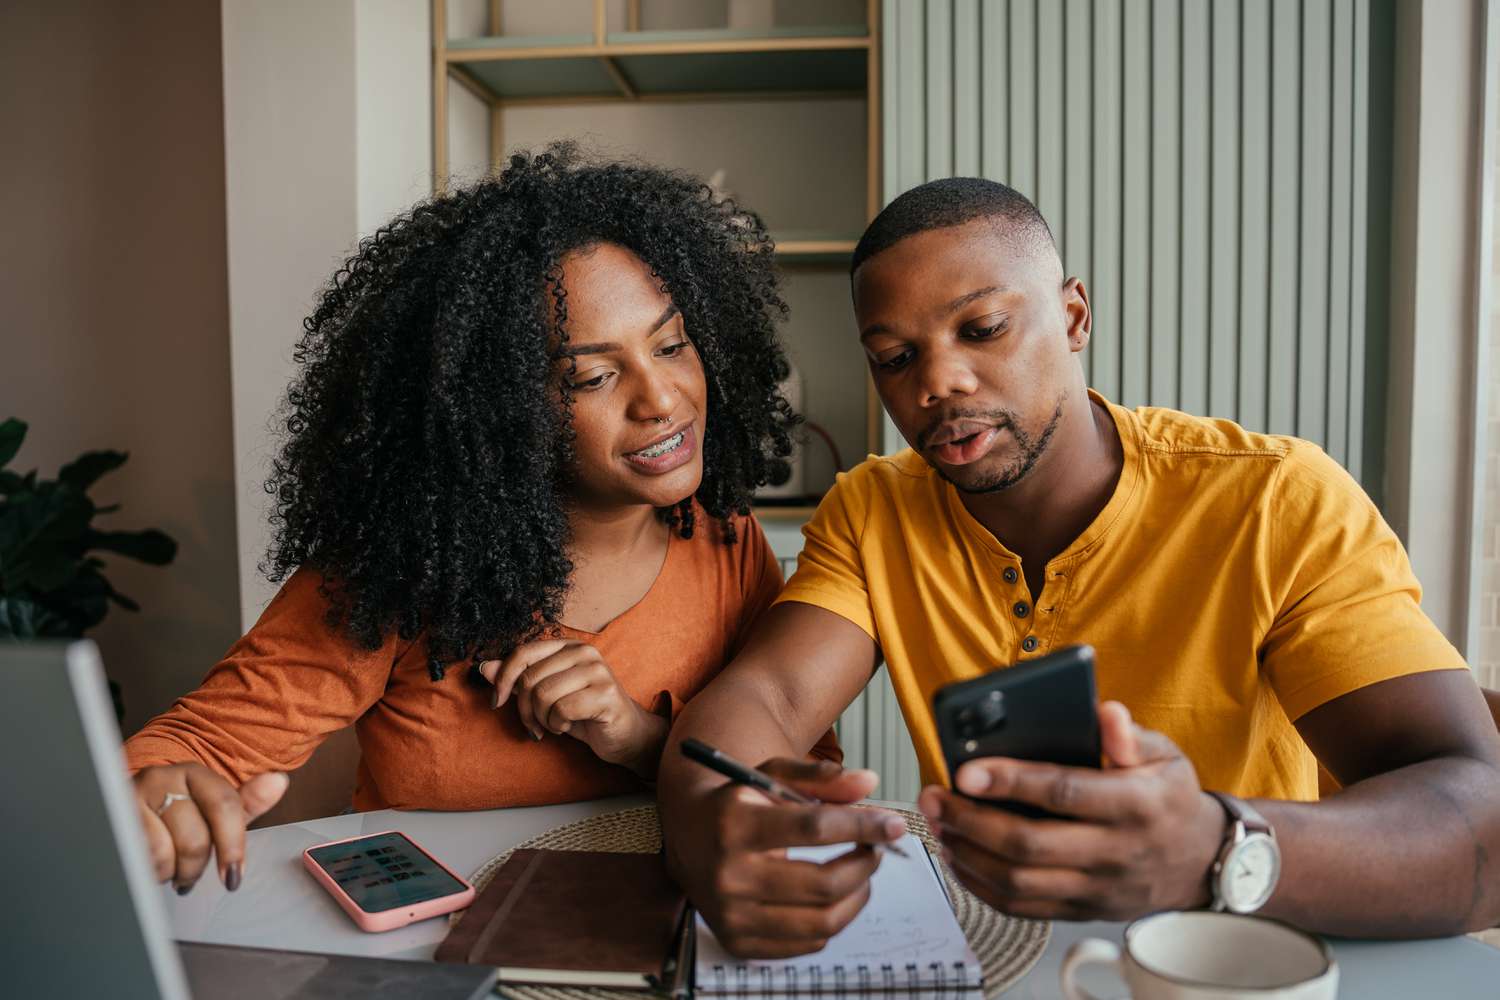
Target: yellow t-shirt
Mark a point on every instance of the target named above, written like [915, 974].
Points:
[1233, 582]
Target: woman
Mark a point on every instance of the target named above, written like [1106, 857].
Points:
[512, 505]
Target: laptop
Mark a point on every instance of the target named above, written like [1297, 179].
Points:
[84, 913]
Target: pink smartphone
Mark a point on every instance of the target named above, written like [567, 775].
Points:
[384, 880]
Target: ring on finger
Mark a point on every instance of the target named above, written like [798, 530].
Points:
[169, 800]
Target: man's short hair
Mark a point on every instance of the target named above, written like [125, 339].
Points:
[953, 201]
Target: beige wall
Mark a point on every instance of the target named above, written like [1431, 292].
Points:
[112, 275]
[393, 119]
[1430, 411]
[289, 139]
[327, 119]
[1486, 660]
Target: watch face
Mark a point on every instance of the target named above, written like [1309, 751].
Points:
[1249, 873]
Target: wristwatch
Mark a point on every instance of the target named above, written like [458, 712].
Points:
[1245, 872]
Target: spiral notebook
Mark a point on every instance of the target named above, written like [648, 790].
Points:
[905, 940]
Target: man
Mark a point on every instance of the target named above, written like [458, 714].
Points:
[1252, 612]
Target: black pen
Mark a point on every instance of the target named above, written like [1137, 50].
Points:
[744, 774]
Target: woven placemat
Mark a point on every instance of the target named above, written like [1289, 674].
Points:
[1007, 947]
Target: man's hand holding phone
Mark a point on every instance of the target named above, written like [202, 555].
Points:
[1136, 836]
[191, 814]
[734, 867]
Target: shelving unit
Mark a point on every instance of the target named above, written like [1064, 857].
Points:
[635, 67]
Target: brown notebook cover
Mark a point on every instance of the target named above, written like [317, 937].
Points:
[583, 918]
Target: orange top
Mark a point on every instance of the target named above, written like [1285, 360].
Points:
[291, 681]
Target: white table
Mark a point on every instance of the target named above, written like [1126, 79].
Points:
[279, 906]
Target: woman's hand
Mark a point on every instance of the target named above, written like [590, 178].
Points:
[189, 812]
[563, 686]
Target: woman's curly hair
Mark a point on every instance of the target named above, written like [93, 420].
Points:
[425, 463]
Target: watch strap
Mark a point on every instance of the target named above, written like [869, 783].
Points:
[1247, 815]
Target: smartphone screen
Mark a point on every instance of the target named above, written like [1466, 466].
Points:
[384, 871]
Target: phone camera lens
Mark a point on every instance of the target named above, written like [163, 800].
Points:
[985, 716]
[990, 713]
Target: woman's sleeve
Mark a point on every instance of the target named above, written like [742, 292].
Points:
[760, 579]
[283, 688]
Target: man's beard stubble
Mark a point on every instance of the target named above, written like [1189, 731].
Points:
[1030, 447]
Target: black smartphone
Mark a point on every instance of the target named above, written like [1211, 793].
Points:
[1043, 709]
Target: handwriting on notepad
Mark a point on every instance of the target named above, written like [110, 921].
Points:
[907, 919]
[906, 933]
[882, 936]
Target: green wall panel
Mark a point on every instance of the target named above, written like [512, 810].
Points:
[1203, 166]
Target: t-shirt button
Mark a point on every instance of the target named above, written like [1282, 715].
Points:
[1010, 574]
[1029, 643]
[1022, 609]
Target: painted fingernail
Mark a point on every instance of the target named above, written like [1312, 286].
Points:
[232, 877]
[536, 734]
[183, 890]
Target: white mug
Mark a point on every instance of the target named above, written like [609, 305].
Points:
[1201, 955]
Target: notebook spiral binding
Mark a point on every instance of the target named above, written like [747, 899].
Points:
[937, 978]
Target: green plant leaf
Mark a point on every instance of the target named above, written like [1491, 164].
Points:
[77, 606]
[39, 521]
[90, 585]
[50, 586]
[12, 433]
[17, 618]
[26, 518]
[85, 470]
[52, 624]
[149, 546]
[48, 570]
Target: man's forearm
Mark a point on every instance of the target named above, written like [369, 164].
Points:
[1413, 852]
[739, 714]
[800, 669]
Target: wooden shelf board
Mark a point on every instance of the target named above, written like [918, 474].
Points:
[457, 47]
[678, 97]
[714, 41]
[801, 513]
[804, 249]
[591, 70]
[583, 76]
[807, 70]
[811, 33]
[791, 248]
